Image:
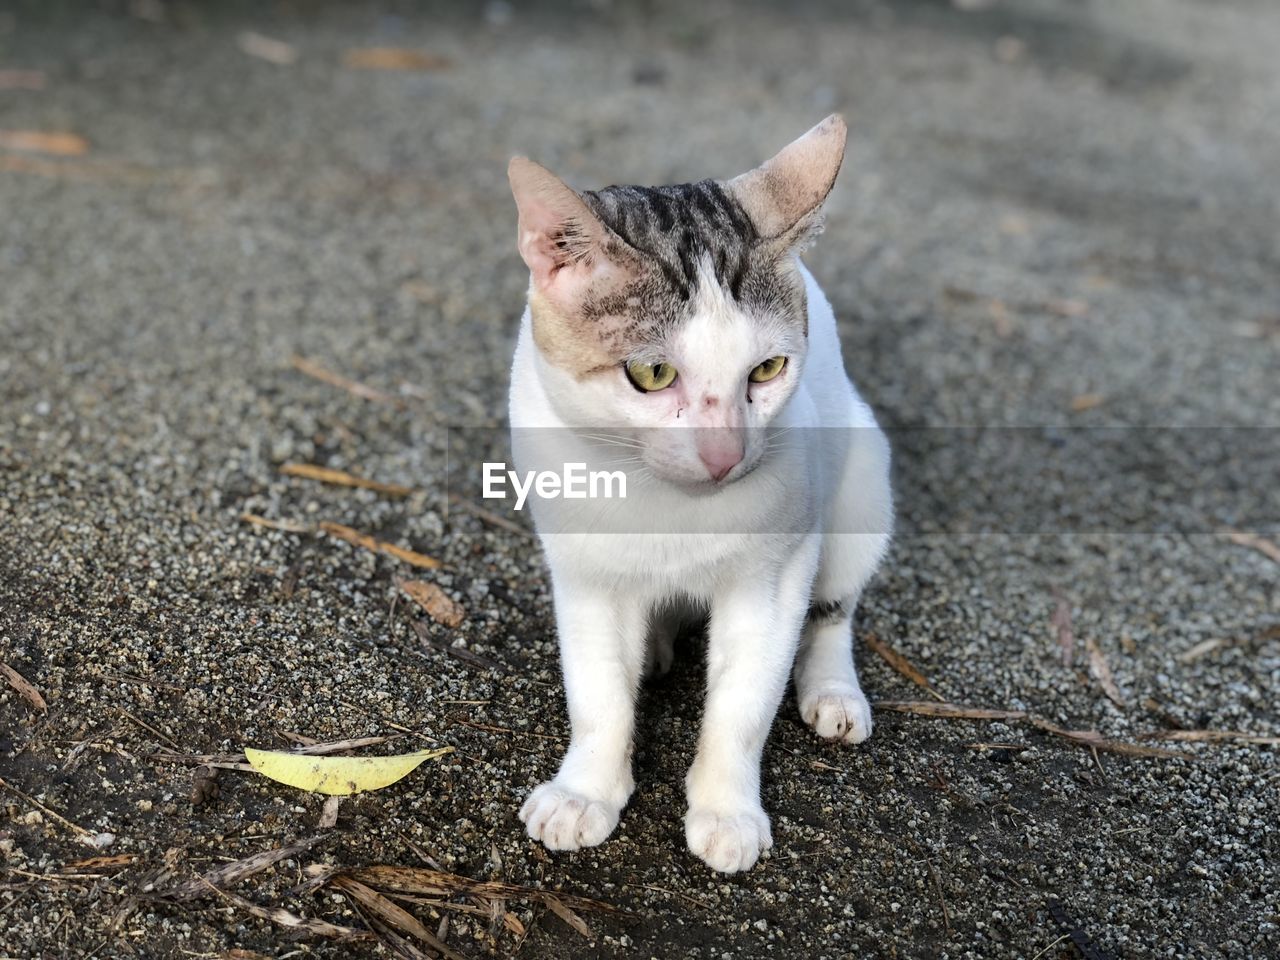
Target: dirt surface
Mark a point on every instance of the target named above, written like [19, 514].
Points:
[1052, 213]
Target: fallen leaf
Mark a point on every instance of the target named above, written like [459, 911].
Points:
[329, 813]
[441, 607]
[568, 916]
[24, 687]
[35, 141]
[341, 478]
[1264, 546]
[393, 58]
[1086, 401]
[337, 776]
[899, 663]
[1213, 736]
[927, 708]
[367, 542]
[1101, 671]
[265, 48]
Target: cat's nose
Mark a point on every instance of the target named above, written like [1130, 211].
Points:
[720, 457]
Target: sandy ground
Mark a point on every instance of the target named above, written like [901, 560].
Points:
[1052, 213]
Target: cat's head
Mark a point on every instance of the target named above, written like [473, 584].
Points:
[677, 314]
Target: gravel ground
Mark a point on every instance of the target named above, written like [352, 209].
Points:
[1052, 213]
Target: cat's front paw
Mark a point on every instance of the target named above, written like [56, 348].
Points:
[566, 820]
[839, 714]
[728, 842]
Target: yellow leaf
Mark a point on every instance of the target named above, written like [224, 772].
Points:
[337, 776]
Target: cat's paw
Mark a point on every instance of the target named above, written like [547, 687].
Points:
[728, 842]
[566, 820]
[840, 714]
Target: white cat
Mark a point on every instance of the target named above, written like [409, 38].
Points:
[675, 331]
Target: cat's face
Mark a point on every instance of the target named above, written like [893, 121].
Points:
[675, 317]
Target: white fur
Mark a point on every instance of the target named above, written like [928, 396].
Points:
[762, 549]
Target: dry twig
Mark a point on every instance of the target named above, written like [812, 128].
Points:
[24, 687]
[310, 471]
[900, 664]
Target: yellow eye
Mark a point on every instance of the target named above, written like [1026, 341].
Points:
[650, 376]
[768, 370]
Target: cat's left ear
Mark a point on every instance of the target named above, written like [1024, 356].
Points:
[567, 248]
[783, 196]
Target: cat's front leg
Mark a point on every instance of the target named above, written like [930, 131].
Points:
[602, 649]
[753, 633]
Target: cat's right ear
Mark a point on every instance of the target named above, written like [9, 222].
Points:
[564, 244]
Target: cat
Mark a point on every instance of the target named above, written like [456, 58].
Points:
[676, 326]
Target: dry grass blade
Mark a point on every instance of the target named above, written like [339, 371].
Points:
[74, 828]
[1100, 670]
[1096, 741]
[1200, 649]
[36, 141]
[24, 687]
[285, 918]
[1264, 546]
[393, 58]
[439, 605]
[926, 708]
[1086, 401]
[568, 916]
[265, 48]
[392, 915]
[366, 542]
[341, 478]
[440, 883]
[900, 664]
[1213, 736]
[1062, 624]
[229, 874]
[288, 526]
[491, 518]
[353, 387]
[103, 863]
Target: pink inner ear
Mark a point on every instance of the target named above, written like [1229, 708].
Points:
[539, 251]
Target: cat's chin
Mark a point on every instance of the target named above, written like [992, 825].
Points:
[705, 486]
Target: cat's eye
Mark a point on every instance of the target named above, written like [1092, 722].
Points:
[649, 377]
[768, 370]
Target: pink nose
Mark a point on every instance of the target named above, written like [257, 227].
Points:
[720, 458]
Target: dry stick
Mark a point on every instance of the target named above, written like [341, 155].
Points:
[393, 915]
[146, 726]
[372, 544]
[946, 915]
[288, 526]
[325, 375]
[285, 918]
[421, 880]
[230, 874]
[924, 708]
[341, 478]
[1211, 736]
[80, 831]
[900, 664]
[574, 921]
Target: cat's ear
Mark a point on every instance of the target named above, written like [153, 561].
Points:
[565, 245]
[783, 196]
